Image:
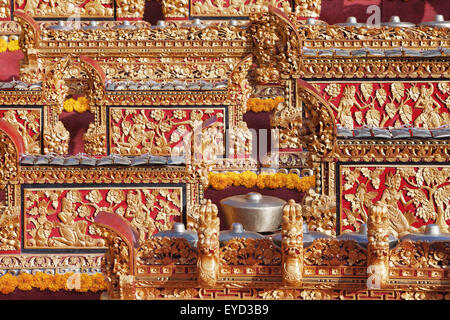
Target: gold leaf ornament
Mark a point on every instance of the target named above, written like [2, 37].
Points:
[381, 95]
[444, 87]
[406, 113]
[366, 89]
[398, 91]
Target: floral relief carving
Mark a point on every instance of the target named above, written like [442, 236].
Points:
[414, 196]
[331, 252]
[166, 251]
[392, 104]
[28, 123]
[64, 219]
[165, 131]
[240, 251]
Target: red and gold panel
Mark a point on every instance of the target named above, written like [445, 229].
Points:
[66, 8]
[163, 131]
[388, 104]
[27, 122]
[231, 8]
[62, 218]
[5, 10]
[415, 195]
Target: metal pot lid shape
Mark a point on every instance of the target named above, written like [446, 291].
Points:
[438, 22]
[179, 231]
[237, 231]
[361, 237]
[395, 22]
[253, 200]
[254, 211]
[432, 233]
[308, 237]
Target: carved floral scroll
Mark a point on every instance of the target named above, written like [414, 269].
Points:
[61, 218]
[414, 196]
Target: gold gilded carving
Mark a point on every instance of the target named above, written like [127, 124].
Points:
[130, 8]
[379, 105]
[116, 261]
[319, 212]
[56, 139]
[288, 119]
[165, 251]
[4, 9]
[425, 187]
[211, 8]
[276, 44]
[321, 33]
[9, 169]
[378, 245]
[9, 228]
[239, 251]
[95, 140]
[393, 151]
[331, 252]
[292, 244]
[308, 8]
[164, 131]
[175, 8]
[208, 244]
[420, 254]
[319, 128]
[60, 219]
[46, 9]
[239, 90]
[27, 122]
[373, 68]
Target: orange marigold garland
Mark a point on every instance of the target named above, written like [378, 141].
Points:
[248, 179]
[79, 105]
[263, 105]
[8, 283]
[56, 282]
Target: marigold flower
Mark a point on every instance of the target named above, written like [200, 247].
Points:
[260, 105]
[3, 45]
[42, 280]
[8, 283]
[81, 105]
[85, 283]
[26, 281]
[219, 181]
[98, 282]
[249, 179]
[13, 45]
[69, 104]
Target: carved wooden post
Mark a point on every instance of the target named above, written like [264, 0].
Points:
[208, 245]
[292, 244]
[378, 247]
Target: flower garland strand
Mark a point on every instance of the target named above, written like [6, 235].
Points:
[261, 105]
[248, 179]
[80, 105]
[56, 282]
[12, 45]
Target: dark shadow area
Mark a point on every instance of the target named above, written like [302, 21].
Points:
[77, 124]
[153, 12]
